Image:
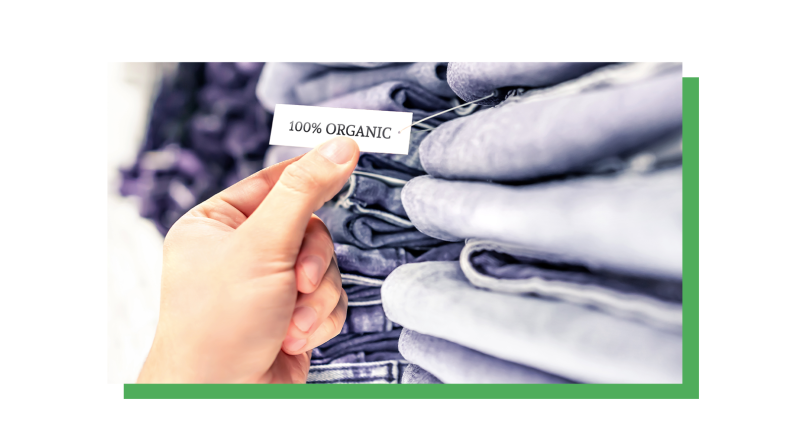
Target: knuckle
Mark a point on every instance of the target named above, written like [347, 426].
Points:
[336, 324]
[319, 236]
[298, 178]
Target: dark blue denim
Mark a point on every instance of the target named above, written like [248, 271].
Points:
[373, 193]
[362, 293]
[369, 232]
[359, 346]
[382, 261]
[384, 371]
[366, 318]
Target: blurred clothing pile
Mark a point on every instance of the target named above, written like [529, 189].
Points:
[568, 194]
[533, 237]
[206, 132]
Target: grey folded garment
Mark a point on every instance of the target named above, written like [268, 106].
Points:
[512, 269]
[278, 80]
[612, 111]
[557, 337]
[474, 80]
[366, 231]
[334, 83]
[454, 364]
[399, 96]
[630, 223]
[414, 374]
[355, 64]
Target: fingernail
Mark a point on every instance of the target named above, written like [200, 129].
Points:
[304, 318]
[312, 267]
[293, 344]
[338, 150]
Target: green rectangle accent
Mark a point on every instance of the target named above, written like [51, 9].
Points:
[687, 390]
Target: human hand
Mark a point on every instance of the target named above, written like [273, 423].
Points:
[250, 283]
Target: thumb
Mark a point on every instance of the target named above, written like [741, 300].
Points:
[278, 224]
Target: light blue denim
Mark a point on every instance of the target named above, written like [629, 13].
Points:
[609, 112]
[454, 364]
[414, 374]
[627, 223]
[338, 82]
[475, 80]
[560, 338]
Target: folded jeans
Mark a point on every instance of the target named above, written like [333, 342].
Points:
[578, 343]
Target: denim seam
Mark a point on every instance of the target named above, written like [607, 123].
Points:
[657, 313]
[608, 76]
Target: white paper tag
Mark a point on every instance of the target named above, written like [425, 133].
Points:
[373, 130]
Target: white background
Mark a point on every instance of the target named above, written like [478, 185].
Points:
[53, 321]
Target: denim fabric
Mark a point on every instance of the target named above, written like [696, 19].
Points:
[567, 340]
[378, 372]
[454, 364]
[348, 279]
[629, 223]
[512, 269]
[278, 81]
[338, 82]
[206, 131]
[402, 167]
[369, 232]
[374, 195]
[474, 80]
[386, 165]
[357, 345]
[561, 130]
[366, 318]
[382, 261]
[362, 294]
[395, 96]
[661, 154]
[355, 64]
[413, 374]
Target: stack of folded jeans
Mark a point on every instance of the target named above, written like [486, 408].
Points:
[568, 195]
[368, 223]
[206, 131]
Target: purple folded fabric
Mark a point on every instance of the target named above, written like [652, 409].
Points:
[563, 131]
[334, 83]
[397, 96]
[474, 80]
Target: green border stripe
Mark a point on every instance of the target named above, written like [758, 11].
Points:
[687, 390]
[690, 234]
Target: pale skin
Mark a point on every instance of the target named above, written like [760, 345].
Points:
[250, 283]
